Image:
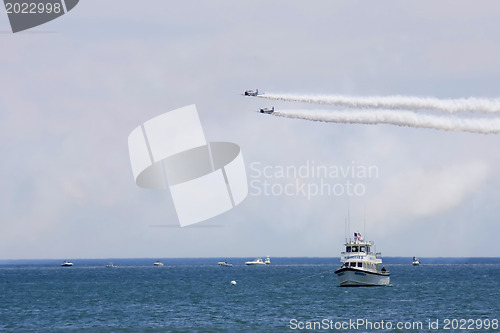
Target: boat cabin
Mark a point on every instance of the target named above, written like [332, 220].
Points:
[361, 264]
[357, 248]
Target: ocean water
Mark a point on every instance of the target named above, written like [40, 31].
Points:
[291, 294]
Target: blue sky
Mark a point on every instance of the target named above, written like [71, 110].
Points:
[73, 90]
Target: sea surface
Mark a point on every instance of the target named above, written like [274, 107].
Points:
[289, 295]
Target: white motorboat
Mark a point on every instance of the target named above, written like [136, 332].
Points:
[416, 261]
[267, 261]
[110, 265]
[158, 263]
[257, 261]
[67, 264]
[361, 266]
[225, 264]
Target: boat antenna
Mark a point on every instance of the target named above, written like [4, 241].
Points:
[364, 221]
[348, 217]
[345, 229]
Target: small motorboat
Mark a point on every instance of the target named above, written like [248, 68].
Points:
[416, 261]
[67, 264]
[257, 261]
[225, 263]
[267, 261]
[110, 265]
[158, 263]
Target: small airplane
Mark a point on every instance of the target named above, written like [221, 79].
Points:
[267, 110]
[252, 92]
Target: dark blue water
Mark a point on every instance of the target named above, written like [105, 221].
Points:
[195, 295]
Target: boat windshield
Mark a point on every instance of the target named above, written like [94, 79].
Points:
[362, 248]
[354, 249]
[348, 249]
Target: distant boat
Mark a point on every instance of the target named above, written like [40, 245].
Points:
[267, 261]
[361, 266]
[416, 261]
[67, 264]
[225, 263]
[110, 265]
[158, 263]
[257, 261]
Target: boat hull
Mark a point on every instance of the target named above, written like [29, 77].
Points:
[351, 277]
[257, 261]
[225, 264]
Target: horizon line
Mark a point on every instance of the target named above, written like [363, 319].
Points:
[238, 257]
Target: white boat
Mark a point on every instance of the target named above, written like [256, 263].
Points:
[225, 264]
[361, 266]
[416, 261]
[158, 263]
[110, 265]
[67, 264]
[267, 261]
[257, 261]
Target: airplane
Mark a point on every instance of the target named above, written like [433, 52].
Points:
[267, 110]
[252, 92]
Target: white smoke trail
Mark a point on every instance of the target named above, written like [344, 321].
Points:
[399, 118]
[472, 104]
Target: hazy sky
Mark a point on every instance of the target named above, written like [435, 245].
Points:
[73, 89]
